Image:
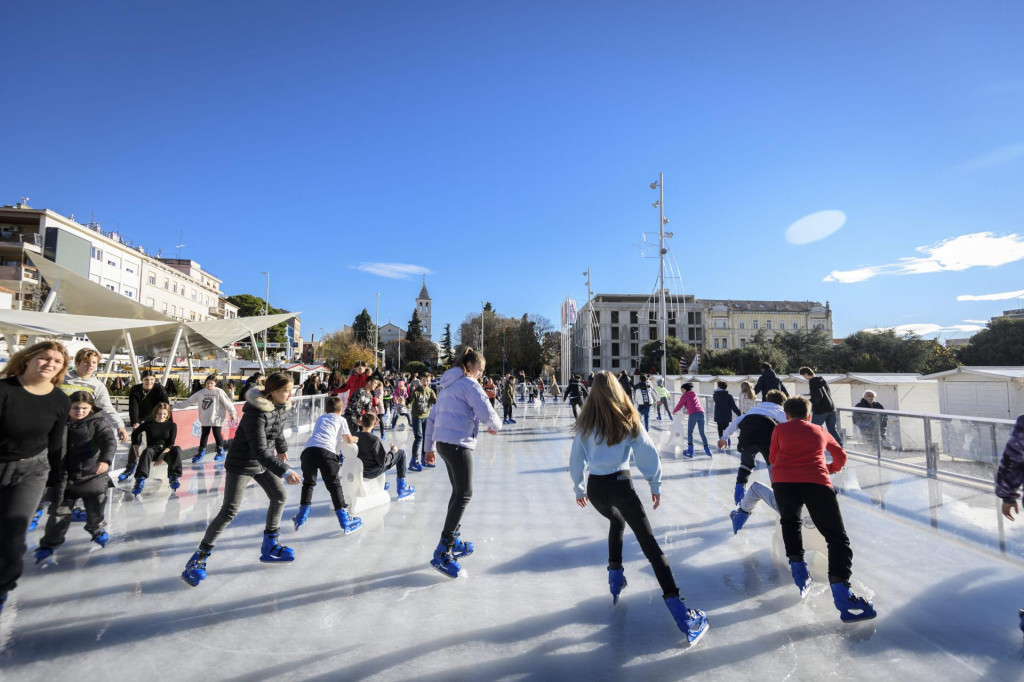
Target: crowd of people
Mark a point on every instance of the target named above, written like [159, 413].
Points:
[59, 434]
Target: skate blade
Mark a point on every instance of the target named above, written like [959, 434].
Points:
[406, 497]
[700, 635]
[354, 530]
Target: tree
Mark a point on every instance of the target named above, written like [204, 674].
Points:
[551, 351]
[254, 306]
[677, 353]
[421, 350]
[1000, 344]
[415, 332]
[357, 353]
[414, 367]
[364, 330]
[810, 348]
[445, 357]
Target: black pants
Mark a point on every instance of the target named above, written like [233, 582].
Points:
[459, 461]
[204, 436]
[172, 457]
[93, 494]
[398, 460]
[722, 426]
[823, 506]
[614, 497]
[506, 409]
[326, 462]
[21, 487]
[576, 404]
[748, 461]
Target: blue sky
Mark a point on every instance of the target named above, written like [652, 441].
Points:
[506, 147]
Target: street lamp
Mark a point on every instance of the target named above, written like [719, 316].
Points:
[266, 311]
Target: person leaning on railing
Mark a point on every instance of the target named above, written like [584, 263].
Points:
[1010, 477]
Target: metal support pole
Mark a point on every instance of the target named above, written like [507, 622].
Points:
[133, 358]
[113, 353]
[170, 356]
[259, 358]
[12, 343]
[661, 272]
[188, 351]
[50, 297]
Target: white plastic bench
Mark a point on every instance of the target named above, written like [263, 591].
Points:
[360, 493]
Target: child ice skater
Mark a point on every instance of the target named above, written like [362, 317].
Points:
[607, 431]
[1010, 477]
[323, 453]
[259, 452]
[695, 410]
[215, 410]
[377, 460]
[161, 433]
[800, 477]
[91, 443]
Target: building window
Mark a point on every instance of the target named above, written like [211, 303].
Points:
[193, 294]
[615, 349]
[97, 254]
[716, 343]
[174, 288]
[193, 313]
[652, 316]
[151, 279]
[129, 269]
[767, 324]
[672, 331]
[596, 364]
[694, 318]
[743, 325]
[615, 363]
[174, 310]
[725, 343]
[634, 349]
[112, 287]
[653, 334]
[755, 324]
[633, 317]
[796, 325]
[615, 333]
[743, 343]
[129, 293]
[615, 317]
[165, 308]
[167, 284]
[112, 263]
[150, 302]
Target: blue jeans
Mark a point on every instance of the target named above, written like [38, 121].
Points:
[417, 436]
[645, 412]
[829, 420]
[696, 419]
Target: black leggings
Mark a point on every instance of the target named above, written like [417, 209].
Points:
[459, 461]
[748, 461]
[172, 457]
[326, 462]
[614, 497]
[823, 506]
[205, 436]
[506, 410]
[576, 404]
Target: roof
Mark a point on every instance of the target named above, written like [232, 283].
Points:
[983, 371]
[5, 290]
[827, 377]
[763, 306]
[423, 291]
[880, 378]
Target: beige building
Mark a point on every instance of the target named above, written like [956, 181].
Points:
[611, 329]
[732, 324]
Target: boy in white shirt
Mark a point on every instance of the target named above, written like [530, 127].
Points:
[323, 453]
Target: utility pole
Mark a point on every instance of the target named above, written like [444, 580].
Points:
[662, 317]
[483, 307]
[589, 335]
[266, 311]
[376, 332]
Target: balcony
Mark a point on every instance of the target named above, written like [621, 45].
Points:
[16, 240]
[16, 273]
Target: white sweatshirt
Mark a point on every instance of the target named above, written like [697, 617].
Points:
[214, 406]
[328, 432]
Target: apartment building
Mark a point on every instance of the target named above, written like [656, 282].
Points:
[611, 329]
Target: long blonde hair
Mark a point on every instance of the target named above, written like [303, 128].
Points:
[18, 363]
[608, 413]
[747, 390]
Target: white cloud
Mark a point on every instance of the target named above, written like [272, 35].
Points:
[815, 226]
[956, 254]
[925, 329]
[977, 321]
[1006, 295]
[393, 270]
[996, 157]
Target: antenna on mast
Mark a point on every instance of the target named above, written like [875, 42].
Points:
[179, 247]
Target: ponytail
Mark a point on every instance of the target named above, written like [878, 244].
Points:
[470, 357]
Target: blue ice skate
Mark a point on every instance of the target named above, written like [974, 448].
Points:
[691, 621]
[140, 483]
[78, 514]
[126, 474]
[44, 554]
[219, 457]
[101, 538]
[195, 569]
[851, 607]
[739, 517]
[349, 524]
[301, 516]
[404, 489]
[801, 576]
[443, 560]
[460, 547]
[35, 519]
[616, 581]
[271, 552]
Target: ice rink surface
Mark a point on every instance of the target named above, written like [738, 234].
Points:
[533, 602]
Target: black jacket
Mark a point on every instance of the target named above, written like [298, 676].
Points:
[627, 385]
[90, 441]
[725, 406]
[868, 421]
[643, 390]
[756, 429]
[821, 396]
[575, 390]
[259, 437]
[769, 381]
[141, 404]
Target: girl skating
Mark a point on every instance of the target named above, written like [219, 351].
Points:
[258, 452]
[607, 431]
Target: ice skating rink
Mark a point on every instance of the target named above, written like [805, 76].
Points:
[534, 602]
